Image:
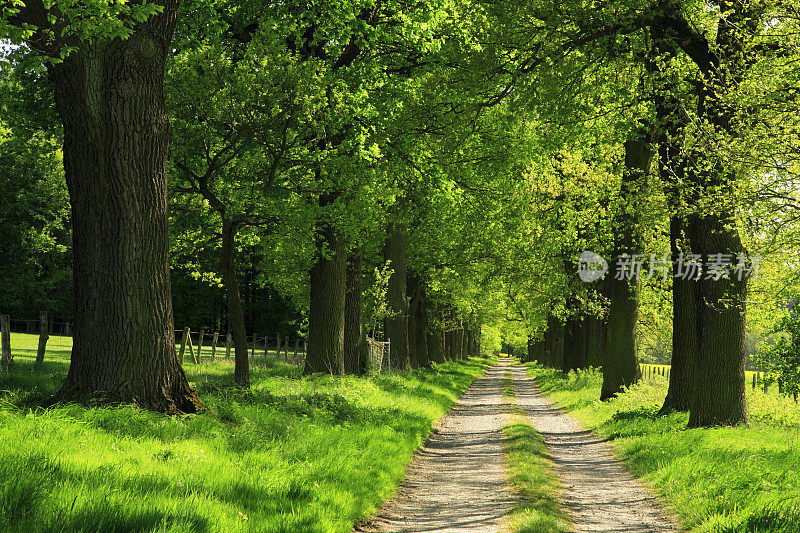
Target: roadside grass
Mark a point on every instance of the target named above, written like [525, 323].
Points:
[530, 474]
[719, 480]
[295, 453]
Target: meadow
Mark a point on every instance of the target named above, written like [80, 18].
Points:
[293, 453]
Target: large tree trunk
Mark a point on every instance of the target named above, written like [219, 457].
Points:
[397, 325]
[458, 343]
[109, 95]
[230, 282]
[574, 344]
[594, 341]
[420, 313]
[685, 292]
[547, 343]
[355, 340]
[531, 353]
[685, 329]
[411, 322]
[326, 313]
[719, 394]
[620, 360]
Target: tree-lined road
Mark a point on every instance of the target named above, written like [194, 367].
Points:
[458, 481]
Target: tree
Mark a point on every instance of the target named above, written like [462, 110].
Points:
[109, 96]
[620, 357]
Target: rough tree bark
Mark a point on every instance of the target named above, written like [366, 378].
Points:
[685, 330]
[5, 340]
[531, 354]
[620, 362]
[230, 282]
[719, 394]
[685, 293]
[355, 339]
[109, 96]
[326, 313]
[397, 325]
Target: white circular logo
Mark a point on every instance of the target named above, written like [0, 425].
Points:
[591, 266]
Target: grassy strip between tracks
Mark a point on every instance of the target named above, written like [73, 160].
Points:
[530, 472]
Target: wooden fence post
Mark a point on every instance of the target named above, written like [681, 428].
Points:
[191, 348]
[43, 336]
[200, 346]
[296, 347]
[214, 345]
[266, 347]
[186, 333]
[228, 342]
[253, 349]
[278, 348]
[286, 349]
[5, 339]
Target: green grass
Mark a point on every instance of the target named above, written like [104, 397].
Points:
[292, 454]
[530, 474]
[719, 479]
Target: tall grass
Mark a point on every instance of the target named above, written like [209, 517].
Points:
[292, 454]
[717, 479]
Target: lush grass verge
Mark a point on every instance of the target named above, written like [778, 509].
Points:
[718, 480]
[531, 475]
[293, 454]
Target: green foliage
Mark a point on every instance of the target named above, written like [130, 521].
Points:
[34, 211]
[376, 307]
[781, 357]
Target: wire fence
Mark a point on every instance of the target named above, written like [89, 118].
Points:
[379, 356]
[200, 344]
[192, 343]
